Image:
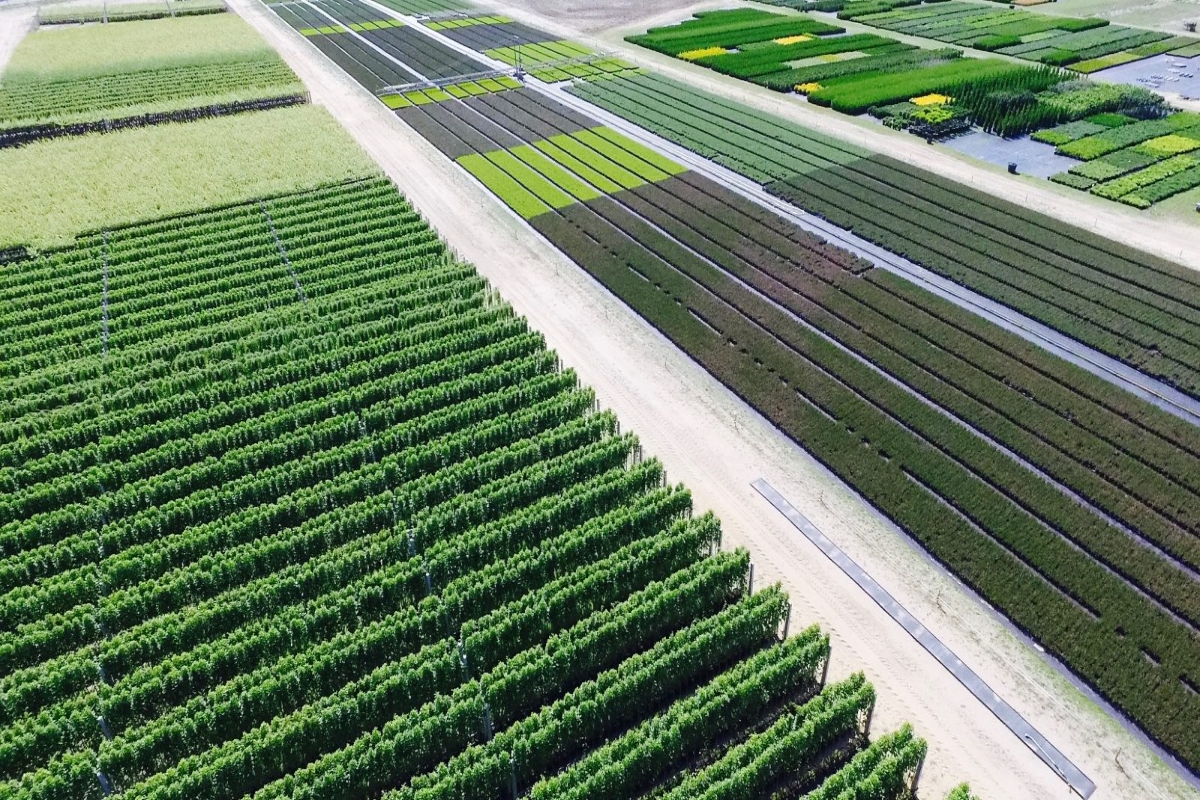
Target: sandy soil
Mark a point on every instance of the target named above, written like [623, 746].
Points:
[1168, 236]
[14, 24]
[717, 446]
[586, 15]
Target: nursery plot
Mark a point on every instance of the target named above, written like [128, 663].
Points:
[355, 15]
[407, 55]
[740, 28]
[93, 51]
[431, 59]
[1138, 163]
[1122, 302]
[485, 33]
[422, 8]
[440, 94]
[48, 190]
[76, 13]
[932, 93]
[723, 245]
[554, 61]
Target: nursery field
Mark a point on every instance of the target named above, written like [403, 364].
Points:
[294, 505]
[425, 8]
[381, 54]
[1125, 303]
[440, 94]
[1085, 44]
[933, 93]
[96, 77]
[929, 392]
[1138, 162]
[542, 55]
[555, 61]
[486, 32]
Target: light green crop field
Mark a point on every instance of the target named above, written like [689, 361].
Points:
[52, 190]
[90, 51]
[97, 72]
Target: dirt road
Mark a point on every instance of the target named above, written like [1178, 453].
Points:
[14, 24]
[717, 446]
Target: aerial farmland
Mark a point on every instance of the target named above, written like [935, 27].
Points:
[415, 399]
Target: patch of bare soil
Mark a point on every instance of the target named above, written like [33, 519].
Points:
[15, 22]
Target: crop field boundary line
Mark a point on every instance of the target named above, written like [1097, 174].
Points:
[1162, 396]
[1079, 783]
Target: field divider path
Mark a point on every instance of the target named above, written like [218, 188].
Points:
[1039, 744]
[1109, 369]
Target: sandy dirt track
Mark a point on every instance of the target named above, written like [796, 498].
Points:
[1169, 237]
[14, 24]
[716, 445]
